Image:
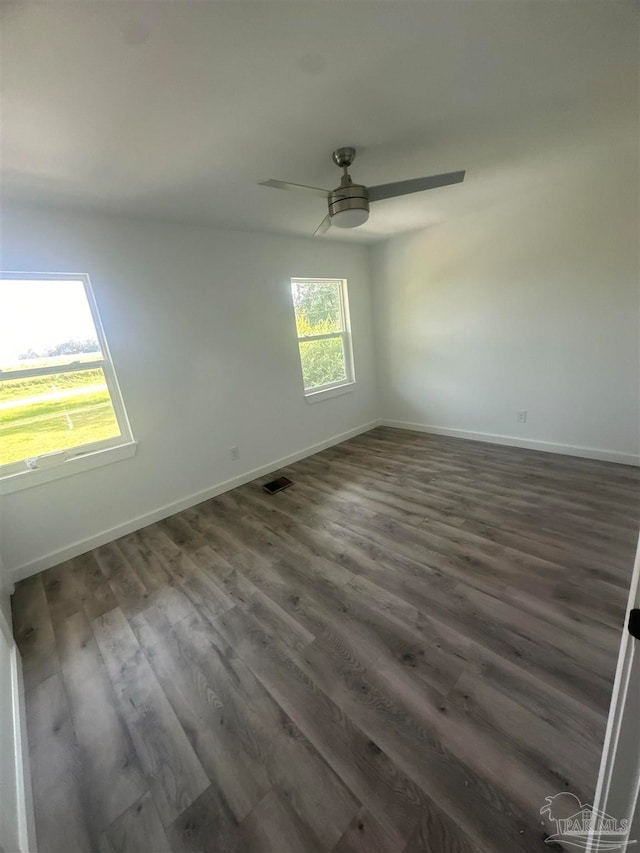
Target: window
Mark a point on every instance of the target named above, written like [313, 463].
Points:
[59, 398]
[324, 336]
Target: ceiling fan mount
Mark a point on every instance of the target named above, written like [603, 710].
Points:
[349, 203]
[344, 156]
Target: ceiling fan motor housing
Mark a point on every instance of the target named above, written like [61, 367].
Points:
[349, 206]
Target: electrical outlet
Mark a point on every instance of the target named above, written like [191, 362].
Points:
[522, 416]
[234, 453]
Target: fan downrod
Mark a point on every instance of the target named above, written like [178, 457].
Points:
[344, 157]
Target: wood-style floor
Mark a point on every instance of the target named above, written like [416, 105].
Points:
[405, 652]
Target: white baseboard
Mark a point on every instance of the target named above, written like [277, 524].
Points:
[529, 443]
[84, 545]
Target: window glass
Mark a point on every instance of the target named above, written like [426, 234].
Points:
[324, 337]
[322, 362]
[318, 307]
[57, 386]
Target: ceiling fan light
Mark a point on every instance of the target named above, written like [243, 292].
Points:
[350, 218]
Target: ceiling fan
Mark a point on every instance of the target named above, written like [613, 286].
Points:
[349, 203]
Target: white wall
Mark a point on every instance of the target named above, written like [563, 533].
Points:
[17, 829]
[6, 590]
[531, 303]
[618, 789]
[9, 829]
[201, 330]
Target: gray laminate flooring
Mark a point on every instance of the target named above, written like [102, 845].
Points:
[405, 652]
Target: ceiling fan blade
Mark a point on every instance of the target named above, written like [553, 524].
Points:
[285, 185]
[415, 185]
[323, 227]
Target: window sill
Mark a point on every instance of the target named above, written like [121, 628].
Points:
[35, 477]
[327, 393]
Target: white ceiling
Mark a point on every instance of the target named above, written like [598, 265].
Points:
[176, 110]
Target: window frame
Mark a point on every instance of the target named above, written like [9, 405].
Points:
[329, 389]
[19, 474]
